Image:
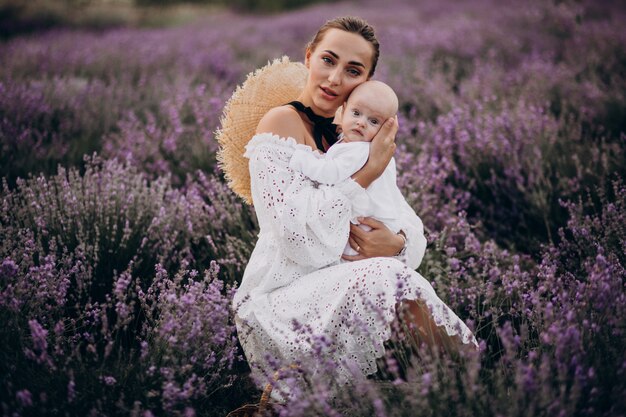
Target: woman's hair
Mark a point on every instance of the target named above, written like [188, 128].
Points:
[353, 25]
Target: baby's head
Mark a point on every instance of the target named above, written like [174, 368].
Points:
[369, 105]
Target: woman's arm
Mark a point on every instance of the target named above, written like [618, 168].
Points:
[380, 241]
[381, 151]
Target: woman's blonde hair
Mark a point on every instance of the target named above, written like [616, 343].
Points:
[353, 25]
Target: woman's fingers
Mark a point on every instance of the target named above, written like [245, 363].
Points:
[386, 136]
[364, 242]
[353, 257]
[354, 244]
[383, 145]
[382, 149]
[366, 225]
[378, 241]
[371, 222]
[391, 129]
[357, 233]
[388, 130]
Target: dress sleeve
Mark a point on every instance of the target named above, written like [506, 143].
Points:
[311, 220]
[415, 239]
[333, 167]
[409, 223]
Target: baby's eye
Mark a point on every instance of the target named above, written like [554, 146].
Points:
[356, 112]
[374, 122]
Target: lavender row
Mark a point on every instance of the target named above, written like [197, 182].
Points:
[117, 270]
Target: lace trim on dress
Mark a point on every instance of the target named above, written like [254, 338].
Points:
[267, 138]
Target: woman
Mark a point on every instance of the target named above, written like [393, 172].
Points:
[295, 279]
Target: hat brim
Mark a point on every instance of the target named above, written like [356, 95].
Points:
[273, 85]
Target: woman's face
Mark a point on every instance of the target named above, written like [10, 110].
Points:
[340, 61]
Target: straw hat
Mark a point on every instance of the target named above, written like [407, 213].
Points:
[275, 84]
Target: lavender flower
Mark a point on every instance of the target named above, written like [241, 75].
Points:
[510, 148]
[24, 397]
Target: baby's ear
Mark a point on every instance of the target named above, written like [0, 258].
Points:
[339, 114]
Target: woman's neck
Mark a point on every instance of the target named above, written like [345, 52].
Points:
[307, 101]
[309, 127]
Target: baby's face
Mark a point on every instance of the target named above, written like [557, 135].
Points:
[363, 115]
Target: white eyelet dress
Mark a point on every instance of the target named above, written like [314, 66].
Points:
[295, 278]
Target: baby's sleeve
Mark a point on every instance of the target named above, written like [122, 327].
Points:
[332, 168]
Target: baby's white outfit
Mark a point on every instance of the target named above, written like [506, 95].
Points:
[341, 161]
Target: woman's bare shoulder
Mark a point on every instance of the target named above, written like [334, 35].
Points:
[283, 121]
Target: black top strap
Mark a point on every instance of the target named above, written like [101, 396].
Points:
[323, 127]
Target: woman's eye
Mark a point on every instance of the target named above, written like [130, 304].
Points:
[354, 73]
[327, 60]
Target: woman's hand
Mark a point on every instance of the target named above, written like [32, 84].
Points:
[380, 241]
[382, 149]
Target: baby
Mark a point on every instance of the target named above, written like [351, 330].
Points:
[367, 108]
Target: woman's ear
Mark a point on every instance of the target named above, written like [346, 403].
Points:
[307, 57]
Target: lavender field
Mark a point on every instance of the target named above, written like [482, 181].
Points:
[121, 245]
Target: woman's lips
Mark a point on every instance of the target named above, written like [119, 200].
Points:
[328, 94]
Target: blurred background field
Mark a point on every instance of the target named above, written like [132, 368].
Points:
[18, 16]
[121, 242]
